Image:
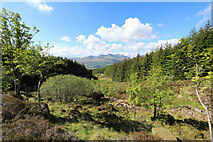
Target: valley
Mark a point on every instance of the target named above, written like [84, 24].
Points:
[164, 94]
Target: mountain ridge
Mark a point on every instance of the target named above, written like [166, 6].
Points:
[94, 62]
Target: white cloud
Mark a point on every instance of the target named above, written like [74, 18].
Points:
[141, 46]
[205, 14]
[96, 46]
[67, 51]
[41, 5]
[80, 38]
[115, 46]
[75, 51]
[65, 38]
[130, 50]
[160, 25]
[95, 43]
[129, 54]
[131, 31]
[205, 11]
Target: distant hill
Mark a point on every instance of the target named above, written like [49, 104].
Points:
[94, 62]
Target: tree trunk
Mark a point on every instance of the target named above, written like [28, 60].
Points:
[38, 91]
[19, 86]
[134, 112]
[155, 111]
[207, 112]
[15, 84]
[209, 121]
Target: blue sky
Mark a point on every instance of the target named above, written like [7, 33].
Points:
[83, 29]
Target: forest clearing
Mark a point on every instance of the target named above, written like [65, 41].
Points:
[165, 94]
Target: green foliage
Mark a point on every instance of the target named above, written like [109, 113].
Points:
[100, 70]
[64, 88]
[108, 87]
[16, 49]
[7, 81]
[177, 62]
[155, 92]
[158, 92]
[25, 65]
[134, 90]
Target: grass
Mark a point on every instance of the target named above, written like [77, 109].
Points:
[88, 130]
[85, 130]
[56, 109]
[187, 132]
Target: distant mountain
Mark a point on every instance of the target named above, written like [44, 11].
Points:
[94, 62]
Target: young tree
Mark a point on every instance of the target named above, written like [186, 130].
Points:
[157, 91]
[200, 52]
[15, 41]
[134, 92]
[41, 64]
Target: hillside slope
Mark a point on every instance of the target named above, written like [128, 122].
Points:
[93, 62]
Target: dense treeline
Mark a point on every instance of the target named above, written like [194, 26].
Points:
[172, 59]
[26, 65]
[29, 82]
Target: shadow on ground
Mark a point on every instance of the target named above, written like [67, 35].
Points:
[105, 114]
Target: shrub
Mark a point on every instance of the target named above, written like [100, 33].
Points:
[64, 88]
[109, 87]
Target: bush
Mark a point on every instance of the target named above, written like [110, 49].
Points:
[64, 88]
[109, 87]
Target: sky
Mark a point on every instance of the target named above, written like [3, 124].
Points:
[95, 28]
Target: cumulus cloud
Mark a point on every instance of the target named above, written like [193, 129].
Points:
[115, 46]
[204, 14]
[65, 38]
[75, 51]
[131, 31]
[80, 38]
[130, 50]
[41, 5]
[96, 44]
[129, 54]
[141, 46]
[67, 51]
